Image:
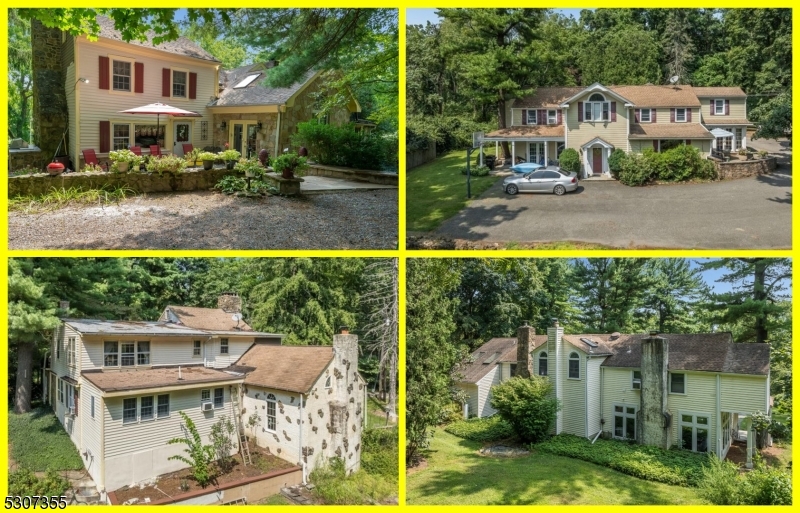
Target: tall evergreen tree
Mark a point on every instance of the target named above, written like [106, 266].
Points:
[676, 291]
[677, 43]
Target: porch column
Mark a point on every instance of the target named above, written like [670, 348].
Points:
[586, 162]
[497, 148]
[546, 144]
[750, 444]
[606, 168]
[513, 153]
[481, 156]
[744, 137]
[714, 144]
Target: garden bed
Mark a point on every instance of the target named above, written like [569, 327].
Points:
[168, 487]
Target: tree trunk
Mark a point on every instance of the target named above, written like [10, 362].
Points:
[390, 403]
[501, 123]
[760, 295]
[24, 385]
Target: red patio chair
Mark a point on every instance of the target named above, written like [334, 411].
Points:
[155, 150]
[187, 148]
[90, 157]
[137, 150]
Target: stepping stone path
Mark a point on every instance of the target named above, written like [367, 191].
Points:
[503, 451]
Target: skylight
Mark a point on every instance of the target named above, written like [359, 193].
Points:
[589, 342]
[247, 81]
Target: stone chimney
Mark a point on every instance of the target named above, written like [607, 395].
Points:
[652, 426]
[525, 335]
[555, 334]
[49, 93]
[347, 407]
[229, 302]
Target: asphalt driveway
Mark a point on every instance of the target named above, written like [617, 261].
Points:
[750, 213]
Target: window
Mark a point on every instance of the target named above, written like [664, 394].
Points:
[531, 117]
[328, 382]
[91, 406]
[128, 354]
[219, 397]
[536, 152]
[694, 432]
[122, 136]
[69, 392]
[163, 406]
[719, 107]
[680, 115]
[597, 108]
[128, 411]
[71, 352]
[574, 366]
[196, 348]
[146, 408]
[61, 391]
[143, 353]
[58, 348]
[624, 422]
[205, 396]
[223, 346]
[179, 84]
[552, 117]
[543, 363]
[636, 382]
[110, 354]
[644, 116]
[145, 135]
[559, 148]
[271, 418]
[677, 383]
[121, 76]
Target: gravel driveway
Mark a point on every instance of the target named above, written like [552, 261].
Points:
[207, 220]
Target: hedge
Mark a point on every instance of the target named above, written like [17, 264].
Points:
[487, 429]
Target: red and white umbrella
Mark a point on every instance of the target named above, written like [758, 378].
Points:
[162, 108]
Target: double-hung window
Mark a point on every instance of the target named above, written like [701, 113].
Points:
[61, 391]
[223, 346]
[636, 381]
[122, 136]
[146, 408]
[680, 115]
[552, 117]
[163, 406]
[205, 396]
[574, 366]
[219, 397]
[121, 75]
[71, 352]
[271, 417]
[719, 107]
[110, 354]
[196, 348]
[644, 116]
[677, 383]
[531, 117]
[179, 84]
[143, 353]
[128, 354]
[129, 411]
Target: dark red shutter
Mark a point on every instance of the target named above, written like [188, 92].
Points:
[655, 145]
[580, 111]
[524, 117]
[541, 117]
[671, 115]
[688, 142]
[688, 115]
[104, 72]
[105, 136]
[727, 107]
[653, 115]
[559, 118]
[139, 87]
[613, 111]
[166, 82]
[712, 107]
[636, 115]
[192, 86]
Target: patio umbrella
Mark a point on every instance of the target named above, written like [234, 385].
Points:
[162, 108]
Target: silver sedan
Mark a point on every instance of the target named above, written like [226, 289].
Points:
[550, 179]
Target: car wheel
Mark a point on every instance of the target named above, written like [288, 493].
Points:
[559, 190]
[512, 189]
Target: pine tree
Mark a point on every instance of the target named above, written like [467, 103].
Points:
[676, 291]
[677, 44]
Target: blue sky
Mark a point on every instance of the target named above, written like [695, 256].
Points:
[420, 16]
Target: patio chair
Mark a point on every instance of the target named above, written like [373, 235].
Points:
[137, 150]
[155, 150]
[90, 157]
[187, 148]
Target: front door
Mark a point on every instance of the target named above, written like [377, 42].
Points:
[244, 138]
[536, 152]
[597, 160]
[181, 134]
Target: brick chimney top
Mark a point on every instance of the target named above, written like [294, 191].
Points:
[344, 330]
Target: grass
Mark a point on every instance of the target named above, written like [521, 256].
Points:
[456, 474]
[437, 190]
[374, 417]
[59, 198]
[39, 442]
[275, 500]
[485, 429]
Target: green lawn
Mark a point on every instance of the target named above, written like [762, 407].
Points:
[456, 474]
[275, 500]
[38, 442]
[437, 190]
[374, 417]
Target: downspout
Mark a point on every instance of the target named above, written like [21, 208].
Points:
[278, 135]
[586, 397]
[719, 423]
[602, 411]
[102, 443]
[302, 461]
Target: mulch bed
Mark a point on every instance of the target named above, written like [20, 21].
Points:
[170, 484]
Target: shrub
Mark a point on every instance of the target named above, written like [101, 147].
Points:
[767, 487]
[92, 168]
[193, 156]
[24, 482]
[615, 161]
[570, 160]
[289, 161]
[228, 155]
[476, 170]
[674, 466]
[221, 437]
[487, 429]
[526, 404]
[452, 413]
[199, 457]
[250, 165]
[333, 486]
[719, 483]
[344, 146]
[449, 132]
[636, 169]
[379, 455]
[722, 484]
[166, 164]
[780, 431]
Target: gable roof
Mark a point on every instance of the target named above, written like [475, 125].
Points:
[638, 95]
[290, 368]
[181, 46]
[496, 350]
[256, 92]
[545, 97]
[203, 318]
[659, 95]
[731, 92]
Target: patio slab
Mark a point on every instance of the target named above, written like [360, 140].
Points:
[323, 184]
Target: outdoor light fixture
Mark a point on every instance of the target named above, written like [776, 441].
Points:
[84, 80]
[223, 125]
[258, 126]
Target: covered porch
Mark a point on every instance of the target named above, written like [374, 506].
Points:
[729, 138]
[541, 144]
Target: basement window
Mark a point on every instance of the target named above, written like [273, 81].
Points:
[677, 383]
[636, 382]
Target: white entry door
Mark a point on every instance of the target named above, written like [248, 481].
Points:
[536, 152]
[181, 134]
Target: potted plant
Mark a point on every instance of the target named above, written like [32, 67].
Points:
[742, 153]
[229, 156]
[288, 164]
[763, 154]
[193, 156]
[124, 160]
[207, 158]
[166, 164]
[251, 167]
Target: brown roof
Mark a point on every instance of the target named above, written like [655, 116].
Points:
[720, 91]
[602, 348]
[547, 97]
[658, 95]
[137, 379]
[290, 368]
[181, 46]
[713, 121]
[529, 131]
[207, 318]
[669, 131]
[491, 353]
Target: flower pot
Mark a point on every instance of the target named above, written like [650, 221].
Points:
[288, 173]
[122, 167]
[208, 164]
[229, 164]
[249, 174]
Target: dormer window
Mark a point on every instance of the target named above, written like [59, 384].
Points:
[719, 107]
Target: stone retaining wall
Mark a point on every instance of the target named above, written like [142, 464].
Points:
[743, 168]
[189, 180]
[361, 175]
[28, 157]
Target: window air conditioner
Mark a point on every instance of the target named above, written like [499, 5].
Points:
[208, 406]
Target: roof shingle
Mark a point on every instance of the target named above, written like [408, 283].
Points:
[669, 131]
[181, 46]
[496, 350]
[290, 368]
[257, 92]
[207, 318]
[138, 379]
[529, 131]
[731, 92]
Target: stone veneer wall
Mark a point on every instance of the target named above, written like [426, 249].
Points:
[265, 138]
[361, 175]
[49, 97]
[191, 180]
[30, 158]
[744, 168]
